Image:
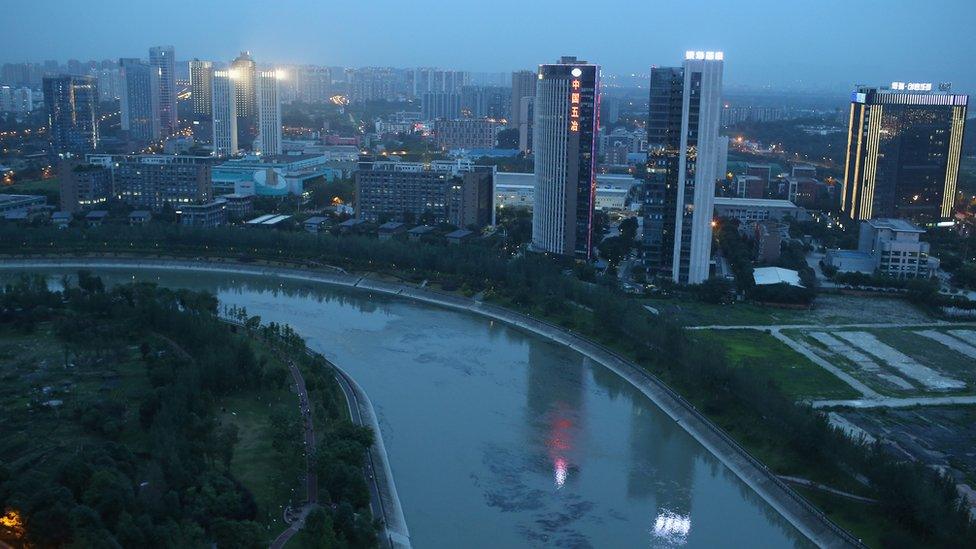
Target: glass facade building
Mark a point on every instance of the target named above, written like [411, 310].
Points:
[567, 106]
[72, 113]
[903, 149]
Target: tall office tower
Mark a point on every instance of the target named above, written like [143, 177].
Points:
[526, 119]
[523, 85]
[269, 113]
[567, 103]
[72, 113]
[436, 105]
[313, 84]
[140, 101]
[683, 150]
[224, 109]
[246, 77]
[163, 59]
[903, 148]
[201, 96]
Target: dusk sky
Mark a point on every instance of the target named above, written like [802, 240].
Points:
[823, 44]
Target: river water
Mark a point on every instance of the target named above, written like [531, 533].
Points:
[500, 438]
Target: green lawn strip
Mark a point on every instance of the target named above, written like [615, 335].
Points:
[929, 352]
[273, 479]
[31, 187]
[696, 313]
[797, 375]
[849, 366]
[864, 520]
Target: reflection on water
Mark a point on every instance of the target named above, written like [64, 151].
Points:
[671, 527]
[498, 438]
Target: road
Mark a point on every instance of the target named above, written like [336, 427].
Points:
[907, 402]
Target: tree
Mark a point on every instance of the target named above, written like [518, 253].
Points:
[508, 139]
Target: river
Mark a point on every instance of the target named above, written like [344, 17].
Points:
[501, 438]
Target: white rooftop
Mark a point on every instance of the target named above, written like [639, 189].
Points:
[754, 202]
[776, 275]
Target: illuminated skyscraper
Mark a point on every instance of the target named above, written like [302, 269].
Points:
[224, 109]
[201, 95]
[140, 101]
[903, 149]
[245, 71]
[269, 113]
[683, 156]
[565, 131]
[72, 113]
[163, 59]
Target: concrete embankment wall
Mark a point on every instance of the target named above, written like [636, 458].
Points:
[801, 514]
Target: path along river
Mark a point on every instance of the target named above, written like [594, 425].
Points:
[501, 438]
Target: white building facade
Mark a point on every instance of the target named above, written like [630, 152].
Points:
[224, 109]
[268, 141]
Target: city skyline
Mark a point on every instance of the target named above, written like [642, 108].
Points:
[789, 52]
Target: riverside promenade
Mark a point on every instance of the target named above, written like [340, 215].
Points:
[808, 520]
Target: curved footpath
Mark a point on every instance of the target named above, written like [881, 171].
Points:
[801, 514]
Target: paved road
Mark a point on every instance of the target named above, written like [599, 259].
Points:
[829, 326]
[375, 503]
[895, 402]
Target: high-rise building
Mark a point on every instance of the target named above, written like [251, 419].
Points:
[245, 70]
[245, 79]
[565, 135]
[163, 59]
[523, 85]
[201, 96]
[140, 101]
[683, 156]
[526, 119]
[466, 133]
[436, 105]
[224, 109]
[269, 113]
[201, 86]
[72, 111]
[903, 149]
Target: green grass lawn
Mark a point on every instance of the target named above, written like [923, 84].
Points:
[271, 480]
[690, 312]
[39, 186]
[799, 378]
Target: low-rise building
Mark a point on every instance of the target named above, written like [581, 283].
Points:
[418, 233]
[84, 186]
[269, 221]
[891, 247]
[238, 205]
[61, 220]
[517, 190]
[459, 236]
[754, 210]
[140, 217]
[315, 224]
[210, 214]
[25, 202]
[750, 186]
[95, 218]
[390, 229]
[154, 181]
[457, 192]
[272, 175]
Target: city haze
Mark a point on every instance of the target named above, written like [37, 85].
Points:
[823, 46]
